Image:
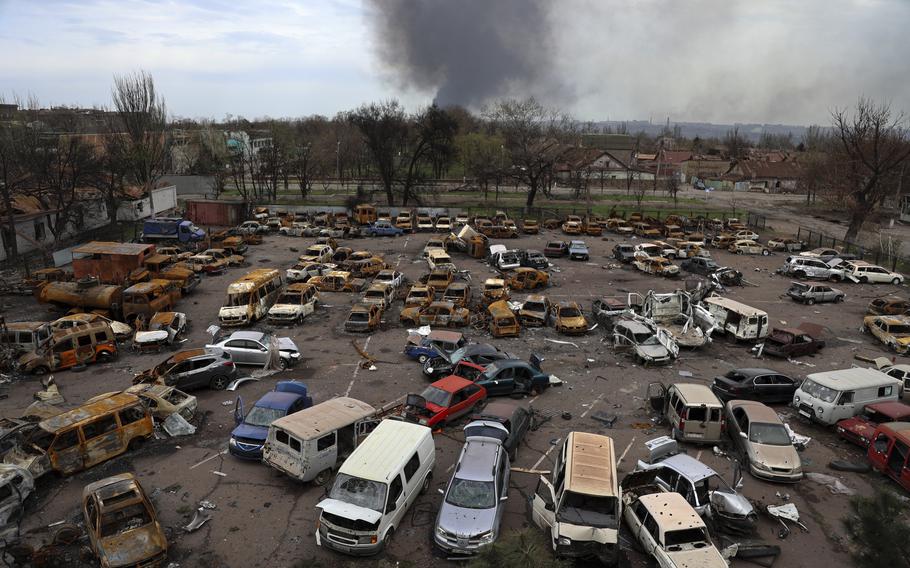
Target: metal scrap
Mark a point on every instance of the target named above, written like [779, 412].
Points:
[50, 394]
[561, 342]
[833, 484]
[176, 425]
[200, 518]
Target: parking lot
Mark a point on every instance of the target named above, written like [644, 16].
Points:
[262, 518]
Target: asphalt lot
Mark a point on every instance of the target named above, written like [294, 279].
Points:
[265, 519]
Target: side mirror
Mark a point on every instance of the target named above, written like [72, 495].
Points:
[743, 435]
[238, 410]
[441, 491]
[263, 349]
[504, 498]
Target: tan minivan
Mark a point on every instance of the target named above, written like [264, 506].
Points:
[89, 343]
[695, 414]
[503, 321]
[25, 336]
[85, 436]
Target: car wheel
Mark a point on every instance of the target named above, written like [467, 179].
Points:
[136, 443]
[765, 252]
[323, 477]
[387, 539]
[838, 299]
[895, 281]
[801, 274]
[810, 301]
[218, 383]
[38, 371]
[282, 364]
[834, 278]
[422, 359]
[863, 280]
[104, 357]
[426, 482]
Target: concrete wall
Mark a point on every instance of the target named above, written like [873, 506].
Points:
[190, 185]
[94, 216]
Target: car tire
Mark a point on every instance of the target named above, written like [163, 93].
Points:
[422, 359]
[136, 443]
[675, 433]
[838, 299]
[834, 278]
[426, 483]
[765, 252]
[39, 371]
[104, 357]
[863, 279]
[323, 477]
[387, 539]
[218, 382]
[283, 364]
[810, 301]
[801, 274]
[896, 281]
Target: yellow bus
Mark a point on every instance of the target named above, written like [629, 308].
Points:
[250, 298]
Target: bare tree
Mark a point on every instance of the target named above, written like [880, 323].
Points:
[874, 144]
[384, 128]
[482, 156]
[532, 134]
[142, 120]
[736, 144]
[431, 142]
[671, 185]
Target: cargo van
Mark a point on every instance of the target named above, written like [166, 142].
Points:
[738, 320]
[309, 445]
[580, 504]
[25, 336]
[830, 396]
[694, 412]
[89, 343]
[375, 487]
[503, 321]
[85, 436]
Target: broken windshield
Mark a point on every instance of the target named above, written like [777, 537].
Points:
[241, 299]
[360, 492]
[588, 510]
[471, 494]
[818, 391]
[770, 434]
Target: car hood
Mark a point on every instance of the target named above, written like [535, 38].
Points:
[652, 351]
[130, 547]
[707, 557]
[232, 311]
[120, 328]
[284, 308]
[349, 511]
[244, 430]
[858, 425]
[775, 456]
[465, 522]
[150, 336]
[574, 322]
[287, 344]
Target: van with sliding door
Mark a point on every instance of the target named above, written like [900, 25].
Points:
[738, 320]
[375, 487]
[830, 396]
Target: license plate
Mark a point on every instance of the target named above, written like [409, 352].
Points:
[695, 434]
[804, 413]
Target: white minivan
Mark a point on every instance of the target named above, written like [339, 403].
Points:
[375, 487]
[830, 396]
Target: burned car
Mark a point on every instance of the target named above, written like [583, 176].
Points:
[624, 253]
[655, 265]
[437, 341]
[528, 279]
[165, 328]
[161, 400]
[702, 487]
[535, 311]
[569, 318]
[607, 310]
[16, 484]
[687, 322]
[649, 343]
[791, 342]
[363, 317]
[534, 259]
[893, 331]
[122, 525]
[338, 281]
[419, 296]
[436, 314]
[477, 353]
[494, 290]
[888, 307]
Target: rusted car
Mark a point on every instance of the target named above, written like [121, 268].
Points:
[338, 281]
[572, 227]
[645, 230]
[459, 293]
[316, 253]
[122, 331]
[620, 226]
[225, 255]
[888, 307]
[366, 268]
[161, 400]
[858, 429]
[524, 278]
[495, 289]
[436, 314]
[570, 320]
[791, 342]
[593, 229]
[893, 331]
[206, 264]
[378, 294]
[503, 321]
[122, 525]
[656, 265]
[499, 231]
[530, 226]
[418, 296]
[81, 345]
[165, 328]
[83, 437]
[363, 317]
[438, 280]
[674, 232]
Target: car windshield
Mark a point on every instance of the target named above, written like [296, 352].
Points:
[685, 536]
[818, 391]
[588, 510]
[262, 416]
[471, 494]
[648, 339]
[899, 329]
[570, 312]
[437, 396]
[535, 306]
[359, 317]
[361, 492]
[242, 299]
[770, 434]
[129, 518]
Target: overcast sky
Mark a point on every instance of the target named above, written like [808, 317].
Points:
[776, 61]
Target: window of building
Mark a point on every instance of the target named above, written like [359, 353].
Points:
[39, 231]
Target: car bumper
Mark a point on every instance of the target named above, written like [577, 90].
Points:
[233, 321]
[776, 476]
[458, 547]
[572, 330]
[283, 318]
[245, 451]
[330, 541]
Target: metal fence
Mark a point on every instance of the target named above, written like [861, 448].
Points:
[876, 255]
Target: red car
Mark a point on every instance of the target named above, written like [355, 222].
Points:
[443, 402]
[859, 429]
[888, 451]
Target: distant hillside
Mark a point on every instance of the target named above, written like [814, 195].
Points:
[705, 129]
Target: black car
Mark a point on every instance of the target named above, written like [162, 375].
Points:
[763, 385]
[512, 414]
[624, 253]
[508, 377]
[477, 353]
[699, 265]
[534, 259]
[191, 369]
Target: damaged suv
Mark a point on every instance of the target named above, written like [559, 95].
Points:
[650, 344]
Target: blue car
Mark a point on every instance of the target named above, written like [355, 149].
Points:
[251, 431]
[578, 250]
[383, 229]
[422, 348]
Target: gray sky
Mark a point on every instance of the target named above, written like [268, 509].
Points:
[778, 61]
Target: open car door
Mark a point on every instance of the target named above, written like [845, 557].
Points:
[657, 397]
[543, 508]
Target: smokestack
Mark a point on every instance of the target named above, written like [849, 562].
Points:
[469, 51]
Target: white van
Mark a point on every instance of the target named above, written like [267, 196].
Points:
[739, 320]
[830, 396]
[309, 444]
[25, 336]
[375, 487]
[579, 506]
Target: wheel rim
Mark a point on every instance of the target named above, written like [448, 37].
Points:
[218, 383]
[422, 359]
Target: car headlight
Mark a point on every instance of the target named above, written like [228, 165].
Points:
[422, 421]
[486, 538]
[796, 399]
[295, 355]
[440, 531]
[819, 410]
[564, 541]
[761, 466]
[232, 441]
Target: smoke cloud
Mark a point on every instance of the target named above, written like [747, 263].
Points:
[468, 51]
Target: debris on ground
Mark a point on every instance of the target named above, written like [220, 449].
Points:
[176, 425]
[798, 440]
[833, 484]
[606, 419]
[846, 465]
[50, 393]
[783, 513]
[200, 518]
[561, 342]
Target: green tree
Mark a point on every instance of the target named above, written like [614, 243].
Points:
[519, 549]
[880, 535]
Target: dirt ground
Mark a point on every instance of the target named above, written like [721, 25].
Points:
[263, 518]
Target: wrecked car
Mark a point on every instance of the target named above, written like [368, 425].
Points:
[259, 348]
[687, 322]
[508, 377]
[666, 526]
[578, 250]
[888, 452]
[425, 347]
[121, 330]
[391, 278]
[812, 293]
[649, 343]
[893, 331]
[534, 259]
[338, 281]
[858, 429]
[888, 307]
[165, 328]
[656, 265]
[295, 303]
[624, 253]
[251, 430]
[761, 438]
[419, 296]
[161, 400]
[569, 318]
[316, 253]
[16, 484]
[702, 488]
[459, 293]
[303, 272]
[438, 280]
[503, 321]
[122, 525]
[606, 310]
[528, 279]
[191, 369]
[700, 265]
[535, 311]
[363, 317]
[436, 314]
[477, 353]
[556, 249]
[789, 342]
[494, 290]
[83, 437]
[443, 402]
[693, 412]
[530, 226]
[512, 415]
[807, 267]
[378, 294]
